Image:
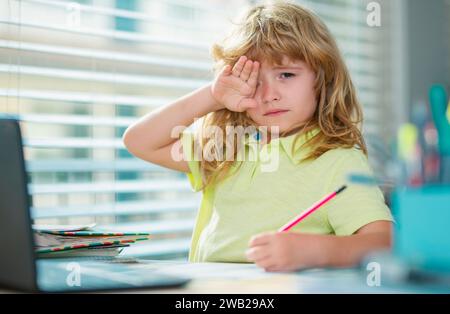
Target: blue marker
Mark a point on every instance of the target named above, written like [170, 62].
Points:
[438, 103]
[363, 179]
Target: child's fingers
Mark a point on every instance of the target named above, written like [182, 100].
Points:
[253, 79]
[272, 268]
[260, 239]
[264, 262]
[245, 74]
[237, 68]
[247, 103]
[257, 254]
[268, 264]
[226, 70]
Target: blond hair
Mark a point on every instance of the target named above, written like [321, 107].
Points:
[270, 32]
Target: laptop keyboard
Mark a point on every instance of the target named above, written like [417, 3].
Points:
[95, 274]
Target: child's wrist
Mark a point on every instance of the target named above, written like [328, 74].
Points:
[216, 105]
[328, 246]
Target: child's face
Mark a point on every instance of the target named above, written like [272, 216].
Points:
[289, 88]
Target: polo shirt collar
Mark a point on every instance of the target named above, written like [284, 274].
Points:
[287, 143]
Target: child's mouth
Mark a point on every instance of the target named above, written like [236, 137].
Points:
[275, 113]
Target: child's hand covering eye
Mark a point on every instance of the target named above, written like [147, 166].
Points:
[235, 87]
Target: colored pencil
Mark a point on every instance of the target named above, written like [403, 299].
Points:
[312, 209]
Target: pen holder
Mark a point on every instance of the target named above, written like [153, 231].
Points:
[422, 228]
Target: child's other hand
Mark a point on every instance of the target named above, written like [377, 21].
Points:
[234, 88]
[286, 251]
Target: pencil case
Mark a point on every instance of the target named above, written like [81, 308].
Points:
[422, 226]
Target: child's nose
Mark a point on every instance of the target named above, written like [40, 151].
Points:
[268, 92]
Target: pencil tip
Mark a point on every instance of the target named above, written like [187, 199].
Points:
[342, 188]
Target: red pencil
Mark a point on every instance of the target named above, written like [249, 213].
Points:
[310, 210]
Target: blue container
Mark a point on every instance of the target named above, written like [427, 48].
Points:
[422, 229]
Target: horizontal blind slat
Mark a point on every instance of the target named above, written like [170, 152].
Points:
[76, 120]
[90, 165]
[105, 55]
[119, 13]
[118, 209]
[68, 142]
[94, 97]
[116, 186]
[108, 34]
[104, 77]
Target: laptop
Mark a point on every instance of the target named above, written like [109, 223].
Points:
[20, 268]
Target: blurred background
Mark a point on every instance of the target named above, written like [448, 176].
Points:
[77, 73]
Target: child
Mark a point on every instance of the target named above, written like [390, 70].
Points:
[279, 71]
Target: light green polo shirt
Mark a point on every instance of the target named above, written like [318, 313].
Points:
[260, 198]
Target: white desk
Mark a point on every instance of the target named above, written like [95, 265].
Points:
[233, 278]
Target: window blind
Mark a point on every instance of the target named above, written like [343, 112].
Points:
[77, 73]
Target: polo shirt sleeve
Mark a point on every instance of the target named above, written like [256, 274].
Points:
[357, 205]
[194, 175]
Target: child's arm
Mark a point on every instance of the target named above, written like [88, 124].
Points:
[150, 137]
[287, 251]
[349, 250]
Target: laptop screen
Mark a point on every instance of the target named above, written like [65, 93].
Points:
[17, 263]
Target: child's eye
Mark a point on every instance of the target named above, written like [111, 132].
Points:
[287, 75]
